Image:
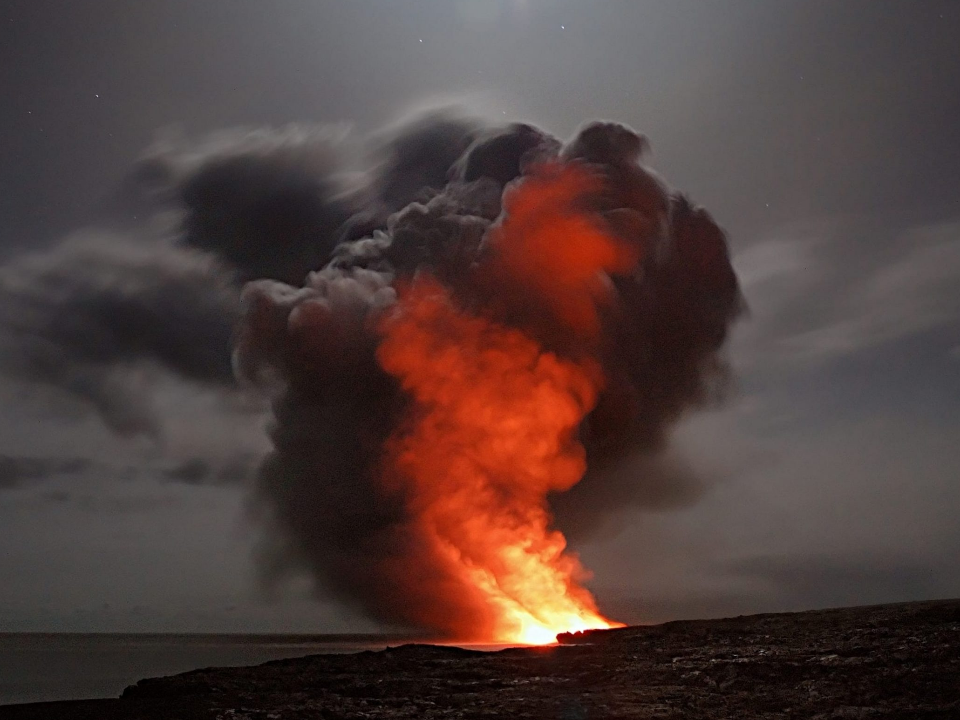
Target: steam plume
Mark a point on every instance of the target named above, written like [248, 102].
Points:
[653, 320]
[574, 255]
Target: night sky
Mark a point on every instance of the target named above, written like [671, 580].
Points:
[822, 136]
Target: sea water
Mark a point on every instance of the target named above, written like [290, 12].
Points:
[37, 667]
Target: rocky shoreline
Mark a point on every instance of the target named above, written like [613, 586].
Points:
[892, 661]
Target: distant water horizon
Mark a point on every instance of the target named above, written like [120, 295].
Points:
[42, 666]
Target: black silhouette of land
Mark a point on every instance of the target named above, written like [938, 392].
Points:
[896, 662]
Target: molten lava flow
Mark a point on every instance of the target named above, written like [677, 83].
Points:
[493, 427]
[494, 432]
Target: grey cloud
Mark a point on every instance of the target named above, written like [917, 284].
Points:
[906, 296]
[416, 154]
[101, 503]
[108, 319]
[641, 482]
[334, 407]
[206, 471]
[784, 583]
[91, 315]
[806, 582]
[816, 302]
[410, 161]
[195, 471]
[16, 471]
[268, 202]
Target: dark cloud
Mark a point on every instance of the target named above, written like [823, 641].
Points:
[603, 500]
[269, 203]
[16, 471]
[416, 155]
[819, 301]
[326, 235]
[86, 316]
[92, 315]
[196, 471]
[502, 154]
[808, 582]
[321, 493]
[410, 162]
[205, 471]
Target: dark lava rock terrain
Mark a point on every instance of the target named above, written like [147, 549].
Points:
[892, 661]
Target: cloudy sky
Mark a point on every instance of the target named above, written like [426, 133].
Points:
[822, 135]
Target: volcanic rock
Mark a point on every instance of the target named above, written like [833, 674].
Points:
[896, 662]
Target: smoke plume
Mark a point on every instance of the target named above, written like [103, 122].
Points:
[93, 315]
[570, 256]
[474, 338]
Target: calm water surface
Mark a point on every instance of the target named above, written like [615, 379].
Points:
[39, 667]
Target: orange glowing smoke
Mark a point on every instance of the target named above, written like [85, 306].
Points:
[549, 242]
[494, 421]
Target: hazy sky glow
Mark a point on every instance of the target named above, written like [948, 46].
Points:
[822, 135]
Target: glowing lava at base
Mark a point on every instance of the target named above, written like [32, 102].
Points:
[494, 420]
[492, 433]
[487, 326]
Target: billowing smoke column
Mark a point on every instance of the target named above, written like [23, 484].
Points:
[475, 342]
[508, 322]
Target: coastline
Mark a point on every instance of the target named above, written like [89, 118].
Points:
[891, 661]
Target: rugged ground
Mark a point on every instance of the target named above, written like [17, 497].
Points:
[892, 661]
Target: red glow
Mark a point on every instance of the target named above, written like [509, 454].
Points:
[493, 427]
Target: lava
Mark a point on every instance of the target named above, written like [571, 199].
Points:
[492, 426]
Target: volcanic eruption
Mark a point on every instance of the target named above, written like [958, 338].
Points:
[474, 345]
[504, 317]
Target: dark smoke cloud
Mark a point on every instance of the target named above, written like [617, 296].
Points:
[409, 162]
[416, 155]
[16, 471]
[190, 224]
[502, 154]
[268, 203]
[203, 471]
[325, 233]
[86, 316]
[335, 407]
[20, 471]
[196, 471]
[640, 481]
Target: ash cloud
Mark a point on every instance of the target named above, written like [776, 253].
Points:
[155, 286]
[236, 469]
[87, 316]
[267, 203]
[17, 470]
[660, 348]
[287, 245]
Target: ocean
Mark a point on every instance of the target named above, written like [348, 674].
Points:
[36, 667]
